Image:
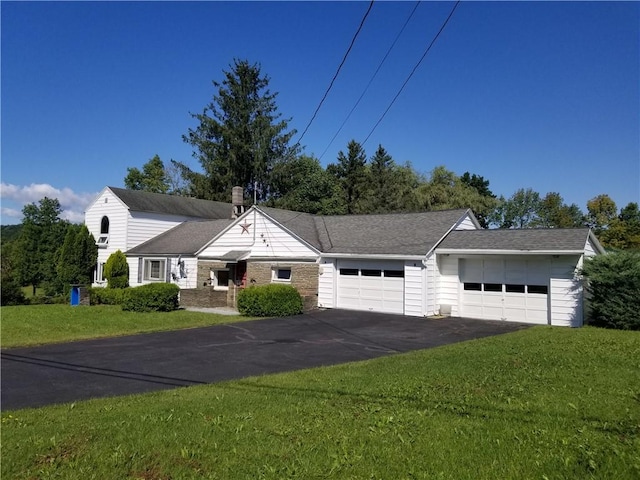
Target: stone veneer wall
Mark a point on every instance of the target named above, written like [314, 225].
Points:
[304, 277]
[204, 297]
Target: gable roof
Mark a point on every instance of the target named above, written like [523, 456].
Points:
[184, 239]
[140, 201]
[392, 234]
[560, 240]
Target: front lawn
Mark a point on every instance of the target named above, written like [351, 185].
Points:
[541, 403]
[39, 324]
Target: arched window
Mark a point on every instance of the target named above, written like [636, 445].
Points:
[103, 239]
[104, 225]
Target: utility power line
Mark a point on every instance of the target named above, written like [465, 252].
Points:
[353, 41]
[413, 71]
[372, 78]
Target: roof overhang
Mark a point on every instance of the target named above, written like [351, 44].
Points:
[486, 251]
[380, 256]
[232, 256]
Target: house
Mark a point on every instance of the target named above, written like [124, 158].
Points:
[415, 264]
[120, 219]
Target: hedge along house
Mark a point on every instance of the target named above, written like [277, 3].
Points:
[416, 264]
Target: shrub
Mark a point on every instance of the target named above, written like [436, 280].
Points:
[153, 297]
[269, 301]
[613, 283]
[116, 270]
[107, 296]
[12, 294]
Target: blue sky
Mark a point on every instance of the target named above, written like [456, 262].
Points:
[543, 95]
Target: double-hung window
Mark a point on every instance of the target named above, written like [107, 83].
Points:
[155, 270]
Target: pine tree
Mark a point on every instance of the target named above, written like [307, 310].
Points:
[239, 137]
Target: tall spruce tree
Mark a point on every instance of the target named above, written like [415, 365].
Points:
[350, 172]
[239, 136]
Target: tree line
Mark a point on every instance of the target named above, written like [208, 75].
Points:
[47, 252]
[242, 139]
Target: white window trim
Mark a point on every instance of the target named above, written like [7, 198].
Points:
[146, 266]
[276, 279]
[214, 279]
[103, 240]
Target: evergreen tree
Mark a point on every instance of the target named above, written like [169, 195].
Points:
[350, 172]
[153, 177]
[116, 270]
[239, 137]
[78, 257]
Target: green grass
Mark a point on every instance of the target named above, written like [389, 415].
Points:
[542, 403]
[39, 324]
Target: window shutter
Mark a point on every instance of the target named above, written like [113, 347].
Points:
[167, 278]
[140, 270]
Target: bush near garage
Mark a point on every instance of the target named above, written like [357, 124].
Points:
[269, 301]
[107, 296]
[613, 285]
[153, 297]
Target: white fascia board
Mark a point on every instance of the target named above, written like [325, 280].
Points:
[453, 251]
[473, 219]
[281, 260]
[371, 256]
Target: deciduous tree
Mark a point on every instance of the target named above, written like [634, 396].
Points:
[41, 237]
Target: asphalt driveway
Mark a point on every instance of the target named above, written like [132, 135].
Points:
[37, 376]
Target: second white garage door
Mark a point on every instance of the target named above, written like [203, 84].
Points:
[371, 286]
[505, 289]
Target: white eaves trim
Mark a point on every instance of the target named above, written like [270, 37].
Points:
[377, 256]
[453, 227]
[457, 251]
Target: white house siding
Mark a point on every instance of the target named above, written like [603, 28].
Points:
[261, 237]
[466, 224]
[107, 204]
[327, 283]
[566, 296]
[414, 288]
[144, 226]
[431, 285]
[449, 284]
[133, 271]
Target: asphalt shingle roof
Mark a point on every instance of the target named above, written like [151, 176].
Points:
[573, 239]
[184, 239]
[392, 234]
[140, 201]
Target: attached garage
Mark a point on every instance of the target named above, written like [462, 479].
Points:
[372, 286]
[499, 288]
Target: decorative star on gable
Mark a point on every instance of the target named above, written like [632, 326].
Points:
[245, 228]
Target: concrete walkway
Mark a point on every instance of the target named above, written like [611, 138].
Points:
[37, 376]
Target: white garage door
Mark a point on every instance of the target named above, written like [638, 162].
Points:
[372, 286]
[505, 289]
